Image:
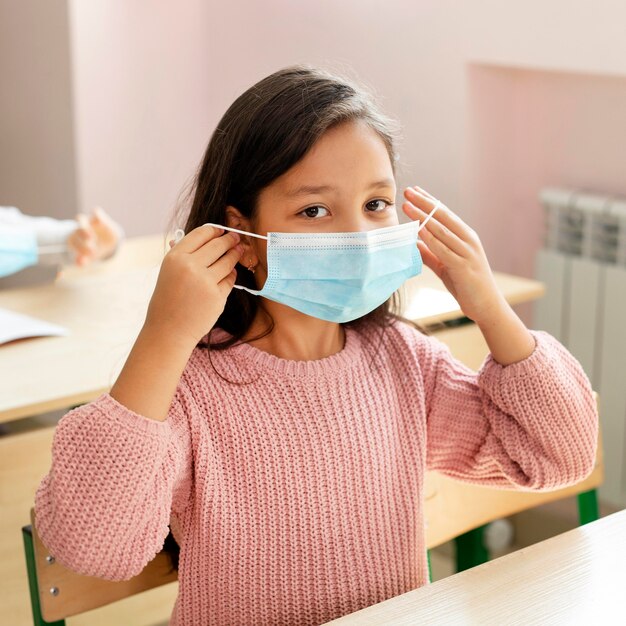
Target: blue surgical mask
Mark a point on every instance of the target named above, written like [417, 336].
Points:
[338, 277]
[18, 250]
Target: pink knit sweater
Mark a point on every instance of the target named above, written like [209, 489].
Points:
[298, 497]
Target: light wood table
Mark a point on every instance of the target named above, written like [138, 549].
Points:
[104, 307]
[573, 578]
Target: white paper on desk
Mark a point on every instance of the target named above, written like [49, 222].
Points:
[428, 302]
[18, 326]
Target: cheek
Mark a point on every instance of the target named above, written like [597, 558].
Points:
[260, 250]
[390, 219]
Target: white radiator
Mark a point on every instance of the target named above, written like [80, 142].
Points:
[583, 265]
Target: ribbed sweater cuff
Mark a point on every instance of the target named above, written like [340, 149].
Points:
[493, 373]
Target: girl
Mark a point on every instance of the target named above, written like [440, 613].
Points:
[285, 449]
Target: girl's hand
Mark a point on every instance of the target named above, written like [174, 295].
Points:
[195, 278]
[454, 252]
[97, 237]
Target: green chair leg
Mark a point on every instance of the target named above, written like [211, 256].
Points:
[33, 586]
[588, 507]
[470, 549]
[430, 571]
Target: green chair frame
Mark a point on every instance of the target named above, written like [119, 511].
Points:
[33, 585]
[470, 548]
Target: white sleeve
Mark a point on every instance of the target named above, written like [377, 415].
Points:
[48, 230]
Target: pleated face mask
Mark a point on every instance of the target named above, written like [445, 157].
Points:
[338, 277]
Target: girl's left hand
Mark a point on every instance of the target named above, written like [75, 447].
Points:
[454, 252]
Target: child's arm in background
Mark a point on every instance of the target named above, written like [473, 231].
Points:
[48, 231]
[82, 240]
[122, 463]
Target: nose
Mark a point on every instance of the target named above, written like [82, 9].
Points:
[357, 225]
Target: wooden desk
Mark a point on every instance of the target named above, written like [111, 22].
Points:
[104, 307]
[573, 578]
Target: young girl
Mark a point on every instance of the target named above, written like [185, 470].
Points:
[284, 437]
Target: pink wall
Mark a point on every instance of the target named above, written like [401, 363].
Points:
[151, 79]
[531, 129]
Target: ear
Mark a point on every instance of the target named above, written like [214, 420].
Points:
[235, 219]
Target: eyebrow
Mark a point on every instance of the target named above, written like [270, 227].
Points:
[311, 189]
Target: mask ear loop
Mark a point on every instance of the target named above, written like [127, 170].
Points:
[180, 233]
[429, 216]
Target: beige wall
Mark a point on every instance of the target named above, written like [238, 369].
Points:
[37, 164]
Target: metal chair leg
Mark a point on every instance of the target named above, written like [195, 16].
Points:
[33, 585]
[470, 549]
[588, 507]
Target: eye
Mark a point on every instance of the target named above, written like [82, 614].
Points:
[313, 212]
[380, 208]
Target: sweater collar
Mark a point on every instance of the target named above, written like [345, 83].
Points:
[258, 359]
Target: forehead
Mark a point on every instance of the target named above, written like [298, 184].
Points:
[348, 155]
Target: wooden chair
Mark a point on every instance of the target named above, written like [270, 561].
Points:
[461, 511]
[57, 592]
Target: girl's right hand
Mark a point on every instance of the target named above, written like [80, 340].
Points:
[195, 278]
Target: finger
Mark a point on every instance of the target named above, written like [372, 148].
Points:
[424, 192]
[84, 257]
[445, 255]
[226, 284]
[211, 251]
[100, 216]
[84, 250]
[226, 263]
[84, 228]
[196, 238]
[444, 214]
[444, 234]
[430, 260]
